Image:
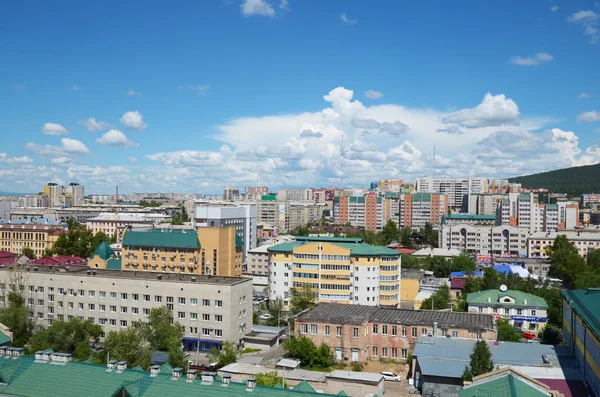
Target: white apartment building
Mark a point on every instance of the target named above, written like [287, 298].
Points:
[5, 206]
[484, 240]
[111, 223]
[76, 191]
[275, 213]
[523, 210]
[304, 212]
[211, 309]
[296, 195]
[224, 214]
[584, 240]
[457, 189]
[257, 260]
[483, 204]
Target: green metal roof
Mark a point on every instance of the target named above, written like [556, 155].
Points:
[586, 304]
[162, 238]
[268, 197]
[504, 386]
[356, 249]
[304, 386]
[114, 264]
[4, 339]
[455, 216]
[330, 239]
[421, 196]
[342, 393]
[103, 251]
[75, 379]
[238, 241]
[481, 297]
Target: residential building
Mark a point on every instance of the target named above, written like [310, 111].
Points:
[37, 236]
[470, 219]
[242, 216]
[116, 223]
[496, 186]
[456, 189]
[39, 200]
[390, 185]
[416, 209]
[484, 240]
[296, 195]
[257, 260]
[522, 310]
[206, 251]
[365, 211]
[274, 212]
[585, 240]
[211, 309]
[590, 199]
[255, 192]
[53, 191]
[230, 194]
[483, 203]
[359, 333]
[344, 270]
[524, 210]
[410, 284]
[76, 191]
[5, 210]
[303, 213]
[429, 252]
[581, 332]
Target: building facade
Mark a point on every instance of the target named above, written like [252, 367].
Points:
[360, 211]
[257, 260]
[484, 240]
[359, 333]
[5, 206]
[456, 189]
[343, 270]
[115, 224]
[39, 237]
[76, 191]
[211, 309]
[584, 240]
[417, 209]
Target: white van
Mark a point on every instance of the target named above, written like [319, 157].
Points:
[391, 376]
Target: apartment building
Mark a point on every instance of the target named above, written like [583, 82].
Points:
[5, 206]
[211, 309]
[53, 191]
[359, 333]
[116, 223]
[242, 216]
[390, 185]
[344, 270]
[296, 195]
[257, 261]
[416, 209]
[581, 332]
[456, 189]
[359, 211]
[37, 236]
[206, 251]
[255, 192]
[305, 212]
[76, 191]
[230, 194]
[590, 199]
[524, 210]
[484, 240]
[483, 203]
[584, 240]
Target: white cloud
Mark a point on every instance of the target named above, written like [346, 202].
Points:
[200, 89]
[588, 117]
[54, 129]
[76, 88]
[17, 86]
[133, 120]
[69, 147]
[73, 146]
[347, 20]
[372, 94]
[584, 95]
[453, 129]
[554, 8]
[132, 159]
[115, 138]
[257, 7]
[94, 125]
[494, 110]
[61, 160]
[6, 159]
[311, 134]
[589, 20]
[535, 60]
[133, 93]
[284, 4]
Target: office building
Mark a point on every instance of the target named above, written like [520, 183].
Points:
[344, 270]
[39, 236]
[584, 240]
[362, 211]
[484, 240]
[359, 333]
[211, 309]
[456, 189]
[5, 206]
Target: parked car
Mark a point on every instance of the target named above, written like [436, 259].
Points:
[528, 335]
[391, 376]
[266, 316]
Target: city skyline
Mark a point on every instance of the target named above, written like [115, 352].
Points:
[241, 94]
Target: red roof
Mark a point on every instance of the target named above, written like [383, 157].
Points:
[405, 251]
[60, 261]
[7, 254]
[569, 388]
[457, 283]
[7, 258]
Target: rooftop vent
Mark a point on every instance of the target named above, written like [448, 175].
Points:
[2, 351]
[39, 357]
[250, 384]
[191, 375]
[110, 366]
[545, 359]
[17, 352]
[208, 378]
[226, 380]
[121, 366]
[154, 370]
[176, 373]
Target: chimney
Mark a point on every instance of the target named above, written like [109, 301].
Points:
[191, 375]
[111, 365]
[525, 301]
[226, 380]
[489, 299]
[208, 377]
[250, 384]
[154, 370]
[176, 373]
[435, 325]
[121, 366]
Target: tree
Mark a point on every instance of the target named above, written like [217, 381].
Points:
[389, 232]
[227, 355]
[430, 236]
[467, 374]
[593, 259]
[551, 335]
[506, 332]
[69, 337]
[440, 300]
[130, 345]
[28, 252]
[176, 358]
[481, 359]
[16, 317]
[269, 379]
[180, 218]
[406, 237]
[565, 261]
[299, 231]
[464, 263]
[160, 330]
[152, 203]
[72, 223]
[78, 241]
[304, 350]
[302, 298]
[274, 307]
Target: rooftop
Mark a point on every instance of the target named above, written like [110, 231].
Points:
[437, 252]
[571, 235]
[464, 217]
[413, 274]
[59, 261]
[338, 313]
[356, 248]
[162, 238]
[520, 298]
[506, 382]
[587, 305]
[103, 251]
[365, 377]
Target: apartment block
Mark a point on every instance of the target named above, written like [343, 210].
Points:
[344, 270]
[255, 192]
[484, 240]
[483, 203]
[230, 194]
[273, 212]
[76, 191]
[417, 209]
[37, 236]
[116, 223]
[584, 240]
[211, 309]
[456, 189]
[5, 206]
[590, 199]
[359, 333]
[362, 211]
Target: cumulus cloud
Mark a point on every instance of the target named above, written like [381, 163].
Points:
[589, 20]
[54, 129]
[92, 124]
[6, 159]
[73, 146]
[133, 121]
[76, 88]
[259, 7]
[347, 20]
[453, 129]
[115, 138]
[554, 8]
[372, 94]
[494, 110]
[588, 117]
[311, 134]
[132, 159]
[69, 147]
[535, 60]
[132, 93]
[394, 129]
[200, 89]
[368, 124]
[584, 95]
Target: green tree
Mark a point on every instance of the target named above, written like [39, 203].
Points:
[302, 298]
[565, 261]
[304, 350]
[160, 329]
[299, 231]
[16, 317]
[180, 218]
[274, 308]
[176, 358]
[481, 359]
[389, 232]
[467, 374]
[269, 379]
[430, 236]
[593, 259]
[78, 241]
[464, 263]
[227, 355]
[28, 252]
[255, 317]
[406, 237]
[72, 223]
[551, 335]
[440, 300]
[506, 332]
[130, 345]
[69, 337]
[152, 203]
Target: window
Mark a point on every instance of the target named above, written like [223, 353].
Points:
[102, 308]
[414, 332]
[338, 331]
[40, 302]
[519, 312]
[423, 331]
[102, 294]
[218, 318]
[394, 330]
[205, 302]
[205, 331]
[135, 297]
[384, 329]
[394, 352]
[313, 329]
[218, 332]
[219, 303]
[146, 298]
[123, 323]
[60, 304]
[304, 328]
[375, 351]
[50, 298]
[124, 309]
[169, 299]
[81, 292]
[135, 311]
[113, 295]
[112, 322]
[80, 306]
[71, 292]
[193, 316]
[101, 321]
[533, 312]
[70, 305]
[157, 299]
[91, 307]
[327, 330]
[384, 352]
[194, 301]
[506, 311]
[91, 293]
[455, 334]
[181, 301]
[375, 329]
[404, 354]
[205, 317]
[355, 332]
[481, 310]
[146, 312]
[180, 314]
[113, 309]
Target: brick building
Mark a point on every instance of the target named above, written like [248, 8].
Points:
[359, 333]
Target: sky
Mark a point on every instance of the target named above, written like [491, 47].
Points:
[193, 96]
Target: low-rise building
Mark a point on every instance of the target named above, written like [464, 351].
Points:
[37, 236]
[116, 223]
[523, 310]
[428, 252]
[584, 240]
[359, 333]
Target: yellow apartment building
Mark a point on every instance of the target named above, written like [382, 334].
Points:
[342, 270]
[39, 237]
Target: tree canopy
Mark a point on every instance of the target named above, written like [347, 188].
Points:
[180, 218]
[506, 332]
[227, 355]
[28, 252]
[481, 360]
[78, 241]
[440, 300]
[302, 298]
[309, 355]
[16, 317]
[69, 337]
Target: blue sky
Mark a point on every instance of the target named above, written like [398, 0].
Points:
[193, 96]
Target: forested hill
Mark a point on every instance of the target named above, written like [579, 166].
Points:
[573, 181]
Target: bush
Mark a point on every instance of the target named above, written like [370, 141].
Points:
[356, 367]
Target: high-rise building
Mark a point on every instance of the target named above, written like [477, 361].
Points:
[457, 189]
[230, 194]
[76, 192]
[359, 211]
[5, 210]
[53, 191]
[483, 203]
[417, 209]
[255, 192]
[483, 239]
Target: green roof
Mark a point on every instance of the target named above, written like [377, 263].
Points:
[114, 264]
[104, 251]
[455, 216]
[162, 238]
[4, 339]
[504, 386]
[586, 304]
[268, 197]
[330, 239]
[304, 386]
[356, 249]
[481, 297]
[238, 241]
[342, 393]
[75, 379]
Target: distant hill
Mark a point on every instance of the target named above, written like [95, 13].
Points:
[574, 181]
[13, 194]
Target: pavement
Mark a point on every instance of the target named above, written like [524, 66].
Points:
[397, 389]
